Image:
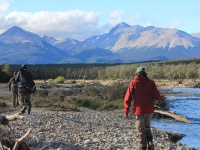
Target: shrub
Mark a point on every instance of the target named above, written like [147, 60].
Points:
[88, 103]
[50, 80]
[115, 91]
[118, 104]
[59, 79]
[54, 104]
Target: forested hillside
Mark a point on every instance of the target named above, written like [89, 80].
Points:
[182, 69]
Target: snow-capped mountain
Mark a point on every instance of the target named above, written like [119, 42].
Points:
[123, 43]
[20, 46]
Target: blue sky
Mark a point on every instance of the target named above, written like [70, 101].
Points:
[80, 19]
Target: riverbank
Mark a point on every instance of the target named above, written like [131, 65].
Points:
[85, 129]
[185, 102]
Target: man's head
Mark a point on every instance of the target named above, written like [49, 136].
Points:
[141, 71]
[14, 73]
[23, 67]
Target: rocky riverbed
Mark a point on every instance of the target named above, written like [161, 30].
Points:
[84, 129]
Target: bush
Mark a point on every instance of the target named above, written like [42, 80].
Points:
[59, 79]
[50, 80]
[111, 105]
[54, 104]
[88, 103]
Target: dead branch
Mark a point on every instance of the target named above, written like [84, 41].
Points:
[173, 115]
[11, 117]
[4, 119]
[1, 146]
[18, 141]
[14, 117]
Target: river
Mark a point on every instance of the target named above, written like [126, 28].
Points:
[185, 102]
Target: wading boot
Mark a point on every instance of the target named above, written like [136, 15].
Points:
[150, 146]
[23, 109]
[29, 111]
[142, 148]
[14, 105]
[17, 103]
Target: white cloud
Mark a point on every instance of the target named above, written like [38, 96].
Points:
[3, 6]
[76, 24]
[175, 24]
[134, 18]
[69, 24]
[115, 17]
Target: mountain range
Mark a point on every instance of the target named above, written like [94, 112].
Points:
[122, 44]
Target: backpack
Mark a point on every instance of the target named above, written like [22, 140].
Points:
[31, 89]
[27, 79]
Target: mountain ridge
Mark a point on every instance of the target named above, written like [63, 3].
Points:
[20, 46]
[122, 44]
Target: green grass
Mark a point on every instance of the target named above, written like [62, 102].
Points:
[96, 97]
[72, 104]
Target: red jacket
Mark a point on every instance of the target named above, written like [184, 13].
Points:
[143, 92]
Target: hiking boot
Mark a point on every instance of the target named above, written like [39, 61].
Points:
[14, 105]
[23, 109]
[142, 148]
[150, 146]
[29, 111]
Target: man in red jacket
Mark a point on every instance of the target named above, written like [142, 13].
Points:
[142, 92]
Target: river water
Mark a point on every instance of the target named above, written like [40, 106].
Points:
[185, 102]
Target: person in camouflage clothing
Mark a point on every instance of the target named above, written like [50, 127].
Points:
[13, 86]
[25, 81]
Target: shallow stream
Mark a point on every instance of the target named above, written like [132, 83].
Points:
[185, 102]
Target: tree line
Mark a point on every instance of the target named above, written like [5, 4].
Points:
[155, 70]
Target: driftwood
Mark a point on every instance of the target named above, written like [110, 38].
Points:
[175, 137]
[173, 115]
[4, 119]
[18, 141]
[1, 146]
[8, 142]
[11, 117]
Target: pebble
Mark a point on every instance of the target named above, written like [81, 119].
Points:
[85, 130]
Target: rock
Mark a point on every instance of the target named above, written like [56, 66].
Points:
[86, 129]
[96, 140]
[110, 147]
[126, 148]
[88, 141]
[78, 139]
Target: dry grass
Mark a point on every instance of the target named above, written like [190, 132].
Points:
[6, 96]
[189, 83]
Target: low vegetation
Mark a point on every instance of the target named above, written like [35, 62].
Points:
[95, 96]
[98, 96]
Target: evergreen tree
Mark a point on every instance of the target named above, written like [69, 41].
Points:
[6, 69]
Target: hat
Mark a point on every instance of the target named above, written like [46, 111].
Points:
[23, 67]
[140, 69]
[14, 73]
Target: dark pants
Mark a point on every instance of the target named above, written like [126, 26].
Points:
[25, 98]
